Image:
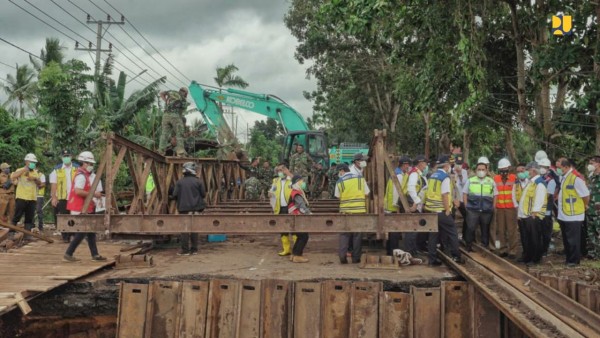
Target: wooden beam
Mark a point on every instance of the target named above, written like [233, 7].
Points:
[27, 232]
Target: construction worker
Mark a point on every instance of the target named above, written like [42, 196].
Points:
[552, 182]
[573, 199]
[459, 176]
[359, 163]
[189, 193]
[352, 190]
[27, 181]
[301, 163]
[281, 191]
[41, 192]
[298, 205]
[438, 199]
[391, 199]
[416, 187]
[506, 210]
[532, 208]
[479, 196]
[7, 194]
[593, 210]
[80, 189]
[61, 179]
[522, 181]
[172, 120]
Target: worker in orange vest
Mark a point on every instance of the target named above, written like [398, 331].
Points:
[506, 210]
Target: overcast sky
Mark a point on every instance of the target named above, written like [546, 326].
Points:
[196, 36]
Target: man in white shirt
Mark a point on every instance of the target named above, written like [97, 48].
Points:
[359, 163]
[573, 199]
[531, 212]
[60, 180]
[417, 185]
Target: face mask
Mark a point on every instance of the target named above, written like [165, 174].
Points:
[426, 170]
[31, 165]
[90, 168]
[66, 160]
[523, 175]
[559, 172]
[543, 171]
[280, 174]
[363, 164]
[303, 185]
[481, 173]
[591, 168]
[504, 173]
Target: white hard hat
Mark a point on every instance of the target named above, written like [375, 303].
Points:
[503, 163]
[540, 154]
[544, 162]
[483, 160]
[86, 156]
[31, 158]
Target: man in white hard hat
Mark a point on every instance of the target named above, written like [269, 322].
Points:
[532, 207]
[506, 210]
[28, 181]
[479, 196]
[61, 179]
[552, 182]
[80, 189]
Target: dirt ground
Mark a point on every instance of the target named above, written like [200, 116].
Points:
[255, 257]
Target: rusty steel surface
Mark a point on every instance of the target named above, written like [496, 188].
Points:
[456, 309]
[277, 302]
[394, 314]
[132, 310]
[162, 312]
[223, 301]
[307, 302]
[194, 300]
[364, 309]
[335, 309]
[246, 223]
[249, 309]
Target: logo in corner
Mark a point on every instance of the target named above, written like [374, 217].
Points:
[562, 25]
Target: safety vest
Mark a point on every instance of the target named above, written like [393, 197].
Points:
[352, 194]
[529, 199]
[433, 195]
[75, 202]
[26, 189]
[61, 180]
[292, 210]
[149, 184]
[419, 182]
[481, 194]
[41, 191]
[388, 199]
[505, 198]
[572, 204]
[519, 190]
[287, 191]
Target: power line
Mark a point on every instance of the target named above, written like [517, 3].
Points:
[151, 45]
[19, 48]
[7, 65]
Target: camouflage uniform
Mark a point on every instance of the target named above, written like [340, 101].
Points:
[172, 122]
[332, 178]
[317, 182]
[301, 164]
[265, 176]
[252, 184]
[593, 218]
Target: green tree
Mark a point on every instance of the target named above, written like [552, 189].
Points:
[226, 77]
[21, 89]
[53, 51]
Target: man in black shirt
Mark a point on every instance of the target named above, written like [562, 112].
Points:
[189, 193]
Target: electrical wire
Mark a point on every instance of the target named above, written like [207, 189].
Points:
[7, 65]
[19, 48]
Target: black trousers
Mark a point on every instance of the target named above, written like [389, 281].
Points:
[78, 238]
[350, 238]
[61, 209]
[414, 241]
[40, 212]
[189, 240]
[447, 234]
[522, 235]
[393, 242]
[571, 234]
[301, 240]
[533, 242]
[483, 219]
[547, 225]
[24, 208]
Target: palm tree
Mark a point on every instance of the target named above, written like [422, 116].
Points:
[53, 51]
[226, 77]
[21, 89]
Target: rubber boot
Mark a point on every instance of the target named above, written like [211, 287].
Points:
[287, 246]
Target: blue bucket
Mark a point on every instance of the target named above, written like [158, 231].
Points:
[217, 238]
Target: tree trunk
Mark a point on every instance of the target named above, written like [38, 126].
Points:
[510, 147]
[466, 145]
[427, 119]
[21, 111]
[597, 73]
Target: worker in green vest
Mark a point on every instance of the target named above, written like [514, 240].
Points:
[392, 197]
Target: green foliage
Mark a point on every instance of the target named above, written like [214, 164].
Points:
[226, 77]
[266, 139]
[19, 137]
[21, 89]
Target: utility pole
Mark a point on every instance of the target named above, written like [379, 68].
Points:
[99, 35]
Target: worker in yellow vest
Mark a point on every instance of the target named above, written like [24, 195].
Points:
[352, 190]
[438, 199]
[573, 199]
[40, 201]
[506, 210]
[280, 195]
[28, 182]
[392, 197]
[532, 210]
[479, 196]
[61, 179]
[416, 187]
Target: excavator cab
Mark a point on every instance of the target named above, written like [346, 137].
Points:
[314, 142]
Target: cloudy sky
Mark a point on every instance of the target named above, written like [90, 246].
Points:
[196, 36]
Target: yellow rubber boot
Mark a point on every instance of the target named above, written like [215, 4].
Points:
[287, 246]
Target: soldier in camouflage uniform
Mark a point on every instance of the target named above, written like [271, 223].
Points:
[265, 176]
[301, 163]
[172, 120]
[252, 183]
[593, 211]
[332, 178]
[316, 186]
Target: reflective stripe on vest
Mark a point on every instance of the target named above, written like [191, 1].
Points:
[388, 199]
[433, 195]
[481, 194]
[504, 200]
[287, 190]
[292, 209]
[572, 204]
[61, 182]
[530, 200]
[352, 195]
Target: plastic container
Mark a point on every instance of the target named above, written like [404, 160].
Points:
[217, 238]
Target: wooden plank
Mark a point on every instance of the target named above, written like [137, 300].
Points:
[248, 323]
[163, 309]
[276, 311]
[456, 309]
[336, 308]
[426, 304]
[222, 308]
[364, 309]
[564, 286]
[192, 318]
[132, 310]
[584, 296]
[486, 317]
[394, 314]
[26, 232]
[549, 280]
[307, 303]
